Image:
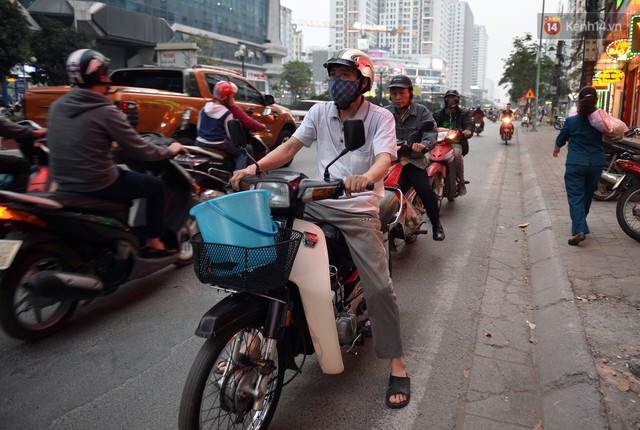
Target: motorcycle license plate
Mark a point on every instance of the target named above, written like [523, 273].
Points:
[8, 251]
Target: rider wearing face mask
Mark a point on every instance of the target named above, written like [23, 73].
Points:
[455, 118]
[351, 74]
[409, 116]
[83, 124]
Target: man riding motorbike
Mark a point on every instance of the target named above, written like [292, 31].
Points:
[83, 124]
[507, 112]
[455, 118]
[409, 117]
[478, 116]
[351, 74]
[18, 167]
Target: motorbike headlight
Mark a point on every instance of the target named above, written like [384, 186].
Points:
[506, 120]
[279, 193]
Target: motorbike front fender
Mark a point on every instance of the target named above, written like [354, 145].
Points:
[434, 167]
[233, 309]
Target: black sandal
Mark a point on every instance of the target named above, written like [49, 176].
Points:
[398, 385]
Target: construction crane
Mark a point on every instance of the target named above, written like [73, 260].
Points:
[356, 26]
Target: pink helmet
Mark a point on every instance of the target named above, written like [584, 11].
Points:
[224, 89]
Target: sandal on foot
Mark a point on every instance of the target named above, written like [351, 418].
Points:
[221, 367]
[398, 385]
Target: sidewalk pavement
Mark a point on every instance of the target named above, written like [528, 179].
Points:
[558, 324]
[586, 299]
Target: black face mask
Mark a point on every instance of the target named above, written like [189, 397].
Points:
[450, 103]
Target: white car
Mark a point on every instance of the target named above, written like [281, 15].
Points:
[301, 107]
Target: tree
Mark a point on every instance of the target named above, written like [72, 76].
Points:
[14, 39]
[520, 69]
[51, 46]
[297, 78]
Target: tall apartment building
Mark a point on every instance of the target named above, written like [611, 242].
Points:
[479, 57]
[462, 47]
[413, 29]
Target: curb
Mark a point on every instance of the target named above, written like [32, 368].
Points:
[571, 398]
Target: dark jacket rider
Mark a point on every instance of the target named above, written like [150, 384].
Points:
[83, 124]
[409, 117]
[455, 118]
[506, 113]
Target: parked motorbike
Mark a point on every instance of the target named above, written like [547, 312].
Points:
[611, 173]
[558, 122]
[506, 129]
[308, 299]
[628, 206]
[60, 248]
[526, 120]
[441, 169]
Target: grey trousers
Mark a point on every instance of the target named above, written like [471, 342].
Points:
[364, 238]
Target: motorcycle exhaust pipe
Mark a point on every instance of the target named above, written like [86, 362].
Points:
[64, 285]
[610, 177]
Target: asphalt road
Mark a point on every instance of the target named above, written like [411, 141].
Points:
[122, 361]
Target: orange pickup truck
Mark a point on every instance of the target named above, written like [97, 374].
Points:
[168, 101]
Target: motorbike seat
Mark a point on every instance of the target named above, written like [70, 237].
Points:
[635, 146]
[118, 209]
[210, 151]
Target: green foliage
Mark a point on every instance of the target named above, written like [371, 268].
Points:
[520, 69]
[51, 46]
[297, 78]
[14, 37]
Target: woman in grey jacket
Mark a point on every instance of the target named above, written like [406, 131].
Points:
[83, 124]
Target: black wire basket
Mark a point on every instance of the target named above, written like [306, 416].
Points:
[255, 270]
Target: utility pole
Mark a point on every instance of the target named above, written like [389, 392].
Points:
[539, 60]
[590, 38]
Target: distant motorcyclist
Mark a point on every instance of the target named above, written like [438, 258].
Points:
[478, 116]
[455, 118]
[408, 117]
[83, 124]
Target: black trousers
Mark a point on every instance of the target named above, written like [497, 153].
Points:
[416, 177]
[19, 168]
[133, 185]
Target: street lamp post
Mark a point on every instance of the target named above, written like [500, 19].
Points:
[537, 95]
[242, 54]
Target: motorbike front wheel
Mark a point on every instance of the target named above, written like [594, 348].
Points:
[557, 125]
[628, 212]
[218, 391]
[24, 316]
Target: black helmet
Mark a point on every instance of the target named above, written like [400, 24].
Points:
[87, 67]
[452, 93]
[356, 59]
[401, 81]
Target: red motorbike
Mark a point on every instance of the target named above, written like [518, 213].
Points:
[442, 170]
[628, 207]
[404, 210]
[506, 129]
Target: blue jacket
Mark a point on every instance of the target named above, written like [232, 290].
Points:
[585, 142]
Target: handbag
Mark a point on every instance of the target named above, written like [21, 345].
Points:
[611, 127]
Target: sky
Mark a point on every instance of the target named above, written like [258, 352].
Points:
[503, 20]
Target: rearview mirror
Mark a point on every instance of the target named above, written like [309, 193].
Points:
[236, 133]
[354, 137]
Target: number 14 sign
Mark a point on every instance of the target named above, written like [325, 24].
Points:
[552, 25]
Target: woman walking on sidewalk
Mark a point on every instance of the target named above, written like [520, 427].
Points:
[584, 164]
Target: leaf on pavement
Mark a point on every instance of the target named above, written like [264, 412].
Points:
[524, 225]
[466, 372]
[486, 333]
[539, 426]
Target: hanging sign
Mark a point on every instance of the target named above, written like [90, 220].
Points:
[618, 50]
[610, 76]
[634, 35]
